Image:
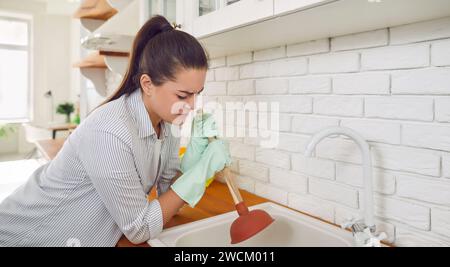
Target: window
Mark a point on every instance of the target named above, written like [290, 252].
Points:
[15, 69]
[167, 8]
[208, 6]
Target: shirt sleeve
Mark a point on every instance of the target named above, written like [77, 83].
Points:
[109, 163]
[172, 167]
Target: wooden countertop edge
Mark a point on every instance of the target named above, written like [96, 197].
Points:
[250, 199]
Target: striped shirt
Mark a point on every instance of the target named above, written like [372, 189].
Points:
[96, 188]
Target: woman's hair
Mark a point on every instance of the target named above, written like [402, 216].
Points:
[160, 51]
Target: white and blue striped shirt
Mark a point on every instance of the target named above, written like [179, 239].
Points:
[96, 188]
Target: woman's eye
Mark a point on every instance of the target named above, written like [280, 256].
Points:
[182, 97]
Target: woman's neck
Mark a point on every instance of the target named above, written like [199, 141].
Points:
[154, 118]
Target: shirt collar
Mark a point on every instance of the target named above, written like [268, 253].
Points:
[141, 117]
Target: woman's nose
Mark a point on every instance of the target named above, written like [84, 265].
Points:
[191, 102]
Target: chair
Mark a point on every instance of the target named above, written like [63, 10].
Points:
[34, 133]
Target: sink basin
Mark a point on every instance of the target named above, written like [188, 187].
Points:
[290, 229]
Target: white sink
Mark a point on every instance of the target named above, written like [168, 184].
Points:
[290, 229]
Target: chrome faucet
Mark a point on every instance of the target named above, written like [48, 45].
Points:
[363, 230]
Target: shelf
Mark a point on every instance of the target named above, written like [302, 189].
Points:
[296, 23]
[119, 4]
[95, 9]
[93, 67]
[116, 34]
[94, 60]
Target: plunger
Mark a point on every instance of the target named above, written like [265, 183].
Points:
[249, 223]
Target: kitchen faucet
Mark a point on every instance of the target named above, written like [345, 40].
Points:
[363, 230]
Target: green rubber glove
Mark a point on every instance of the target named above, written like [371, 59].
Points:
[203, 126]
[191, 185]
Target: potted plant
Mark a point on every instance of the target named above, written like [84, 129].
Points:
[5, 129]
[66, 109]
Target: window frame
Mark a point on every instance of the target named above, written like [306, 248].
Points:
[28, 19]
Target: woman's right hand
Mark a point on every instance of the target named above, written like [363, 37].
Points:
[191, 185]
[203, 127]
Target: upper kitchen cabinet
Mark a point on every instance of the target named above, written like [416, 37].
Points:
[214, 16]
[249, 25]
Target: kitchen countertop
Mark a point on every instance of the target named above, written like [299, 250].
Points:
[217, 200]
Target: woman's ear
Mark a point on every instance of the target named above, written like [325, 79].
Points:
[146, 84]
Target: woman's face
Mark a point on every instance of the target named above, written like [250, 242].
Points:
[172, 101]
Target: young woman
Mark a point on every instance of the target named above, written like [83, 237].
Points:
[96, 188]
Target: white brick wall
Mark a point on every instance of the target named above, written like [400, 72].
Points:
[440, 221]
[242, 151]
[288, 104]
[366, 83]
[402, 108]
[334, 63]
[424, 81]
[407, 159]
[404, 211]
[416, 32]
[333, 192]
[392, 86]
[401, 57]
[217, 62]
[383, 181]
[272, 86]
[428, 136]
[274, 158]
[311, 124]
[446, 165]
[310, 85]
[313, 166]
[442, 109]
[292, 142]
[410, 237]
[242, 87]
[254, 70]
[360, 40]
[375, 130]
[289, 67]
[289, 181]
[239, 59]
[429, 190]
[271, 192]
[215, 88]
[308, 48]
[440, 54]
[269, 54]
[312, 205]
[254, 170]
[341, 106]
[227, 73]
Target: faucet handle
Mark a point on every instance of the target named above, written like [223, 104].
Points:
[374, 240]
[349, 222]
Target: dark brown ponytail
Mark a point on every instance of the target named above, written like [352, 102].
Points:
[160, 51]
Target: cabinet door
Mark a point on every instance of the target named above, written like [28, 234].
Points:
[166, 8]
[226, 17]
[283, 6]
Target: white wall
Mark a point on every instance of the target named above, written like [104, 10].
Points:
[390, 85]
[53, 53]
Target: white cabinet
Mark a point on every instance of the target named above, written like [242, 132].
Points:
[251, 25]
[232, 16]
[285, 6]
[226, 15]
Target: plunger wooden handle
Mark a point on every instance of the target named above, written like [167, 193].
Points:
[230, 180]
